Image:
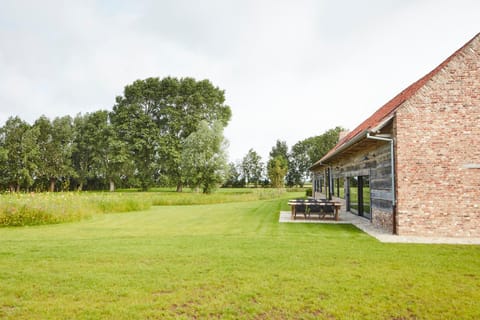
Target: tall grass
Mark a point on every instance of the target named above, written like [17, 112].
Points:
[223, 196]
[50, 208]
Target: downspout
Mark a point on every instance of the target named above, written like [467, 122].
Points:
[392, 160]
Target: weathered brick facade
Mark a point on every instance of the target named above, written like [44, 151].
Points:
[438, 152]
[435, 126]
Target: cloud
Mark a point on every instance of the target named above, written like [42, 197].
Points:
[290, 69]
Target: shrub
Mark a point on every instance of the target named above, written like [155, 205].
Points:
[308, 192]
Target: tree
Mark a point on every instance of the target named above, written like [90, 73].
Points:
[139, 132]
[306, 152]
[98, 152]
[204, 163]
[277, 166]
[280, 149]
[55, 143]
[277, 169]
[318, 146]
[252, 167]
[19, 153]
[82, 151]
[175, 108]
[234, 176]
[298, 164]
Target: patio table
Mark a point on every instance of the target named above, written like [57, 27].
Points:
[308, 203]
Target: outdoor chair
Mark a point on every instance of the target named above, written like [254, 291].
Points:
[302, 209]
[328, 209]
[315, 209]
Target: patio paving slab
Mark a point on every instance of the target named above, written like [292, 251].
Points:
[380, 234]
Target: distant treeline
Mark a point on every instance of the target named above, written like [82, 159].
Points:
[284, 166]
[142, 142]
[160, 132]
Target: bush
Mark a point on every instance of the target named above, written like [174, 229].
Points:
[308, 192]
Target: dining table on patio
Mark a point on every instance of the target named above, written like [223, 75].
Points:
[307, 207]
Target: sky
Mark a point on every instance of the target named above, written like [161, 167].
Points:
[290, 69]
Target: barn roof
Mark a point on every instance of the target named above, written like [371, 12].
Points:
[386, 112]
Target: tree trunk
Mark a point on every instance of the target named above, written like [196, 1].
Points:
[52, 184]
[18, 187]
[80, 186]
[112, 186]
[179, 186]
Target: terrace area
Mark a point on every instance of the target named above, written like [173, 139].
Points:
[366, 226]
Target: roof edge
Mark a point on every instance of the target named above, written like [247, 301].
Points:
[344, 146]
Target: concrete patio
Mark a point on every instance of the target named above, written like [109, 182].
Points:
[381, 235]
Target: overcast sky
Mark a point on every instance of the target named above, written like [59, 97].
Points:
[290, 69]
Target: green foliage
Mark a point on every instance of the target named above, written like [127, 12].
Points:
[140, 143]
[277, 169]
[279, 150]
[318, 146]
[19, 209]
[309, 192]
[234, 177]
[252, 167]
[99, 152]
[50, 208]
[308, 151]
[136, 128]
[298, 164]
[222, 196]
[55, 143]
[155, 117]
[204, 159]
[227, 261]
[20, 156]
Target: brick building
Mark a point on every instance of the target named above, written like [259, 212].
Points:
[413, 167]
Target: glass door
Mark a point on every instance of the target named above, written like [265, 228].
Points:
[359, 196]
[353, 194]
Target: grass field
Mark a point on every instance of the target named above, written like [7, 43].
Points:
[231, 260]
[27, 209]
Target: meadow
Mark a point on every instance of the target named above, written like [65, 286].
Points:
[230, 261]
[27, 209]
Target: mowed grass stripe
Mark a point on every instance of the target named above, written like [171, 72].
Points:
[228, 261]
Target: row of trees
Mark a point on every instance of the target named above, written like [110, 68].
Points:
[160, 132]
[284, 166]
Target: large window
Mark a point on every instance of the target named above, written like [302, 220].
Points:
[338, 187]
[318, 183]
[359, 196]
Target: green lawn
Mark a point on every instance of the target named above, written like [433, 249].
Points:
[231, 260]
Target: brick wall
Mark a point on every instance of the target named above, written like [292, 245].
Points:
[438, 152]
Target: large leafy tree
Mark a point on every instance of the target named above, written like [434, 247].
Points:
[56, 144]
[136, 128]
[277, 166]
[277, 169]
[306, 152]
[252, 167]
[204, 160]
[298, 164]
[234, 176]
[19, 154]
[82, 153]
[318, 146]
[98, 152]
[280, 149]
[167, 111]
